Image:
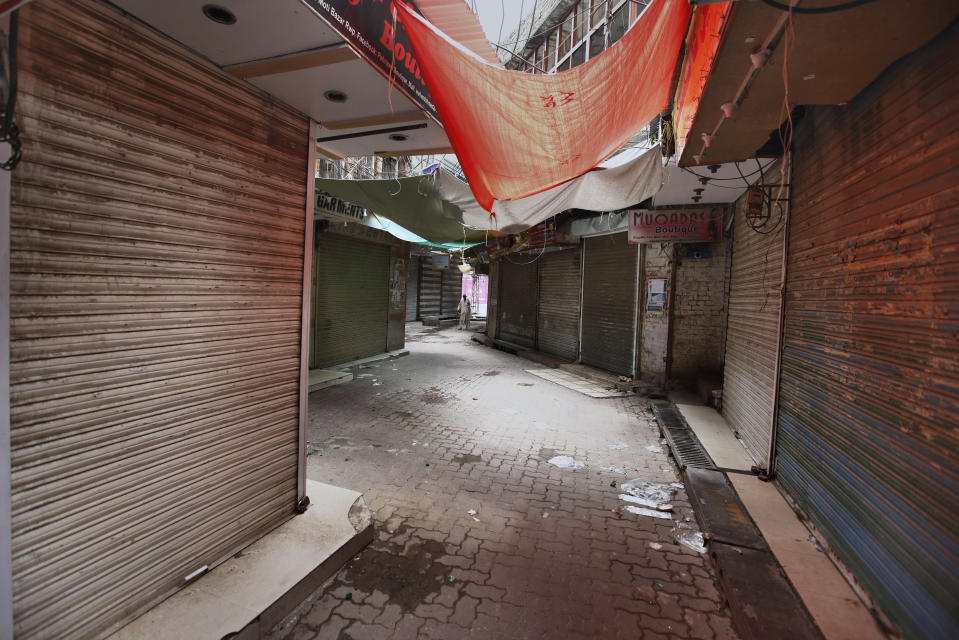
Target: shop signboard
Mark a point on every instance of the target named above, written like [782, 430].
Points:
[676, 225]
[372, 30]
[329, 206]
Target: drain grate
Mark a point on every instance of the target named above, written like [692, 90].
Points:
[683, 443]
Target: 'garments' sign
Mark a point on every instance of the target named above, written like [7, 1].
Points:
[331, 205]
[704, 225]
[369, 27]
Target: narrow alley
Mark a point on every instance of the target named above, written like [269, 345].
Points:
[477, 535]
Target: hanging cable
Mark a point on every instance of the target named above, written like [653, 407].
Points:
[9, 132]
[816, 10]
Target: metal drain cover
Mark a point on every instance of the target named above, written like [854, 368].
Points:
[683, 443]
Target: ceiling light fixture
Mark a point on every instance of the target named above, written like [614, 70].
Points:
[398, 137]
[218, 14]
[335, 96]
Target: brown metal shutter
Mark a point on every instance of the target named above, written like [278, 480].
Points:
[752, 341]
[609, 303]
[431, 290]
[156, 271]
[517, 300]
[869, 399]
[352, 300]
[412, 289]
[452, 292]
[557, 315]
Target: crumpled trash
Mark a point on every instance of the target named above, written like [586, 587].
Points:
[652, 493]
[652, 448]
[566, 462]
[652, 513]
[689, 537]
[616, 470]
[471, 512]
[655, 545]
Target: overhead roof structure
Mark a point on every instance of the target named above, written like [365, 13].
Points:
[517, 134]
[441, 208]
[822, 59]
[289, 51]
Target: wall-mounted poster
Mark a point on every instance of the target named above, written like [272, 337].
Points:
[656, 296]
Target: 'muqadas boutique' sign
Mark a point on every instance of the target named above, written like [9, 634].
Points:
[369, 27]
[677, 225]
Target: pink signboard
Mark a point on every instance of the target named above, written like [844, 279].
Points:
[702, 225]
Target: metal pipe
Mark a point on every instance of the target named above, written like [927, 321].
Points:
[773, 432]
[307, 292]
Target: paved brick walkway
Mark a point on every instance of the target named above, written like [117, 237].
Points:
[455, 427]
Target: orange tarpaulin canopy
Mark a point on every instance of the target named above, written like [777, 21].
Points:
[517, 134]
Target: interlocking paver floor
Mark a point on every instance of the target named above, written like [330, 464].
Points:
[457, 427]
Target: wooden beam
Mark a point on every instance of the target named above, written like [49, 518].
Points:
[414, 152]
[375, 121]
[293, 62]
[329, 154]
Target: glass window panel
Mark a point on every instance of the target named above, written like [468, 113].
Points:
[580, 18]
[579, 55]
[598, 12]
[565, 29]
[597, 42]
[619, 23]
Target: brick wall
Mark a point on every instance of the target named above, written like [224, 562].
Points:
[654, 338]
[699, 314]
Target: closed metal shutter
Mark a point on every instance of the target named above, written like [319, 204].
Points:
[157, 272]
[557, 314]
[752, 340]
[351, 300]
[609, 303]
[431, 288]
[412, 290]
[452, 292]
[869, 399]
[517, 311]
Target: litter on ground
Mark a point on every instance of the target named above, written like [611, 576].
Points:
[566, 462]
[617, 446]
[652, 448]
[642, 511]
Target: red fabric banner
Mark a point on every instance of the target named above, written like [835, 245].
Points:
[517, 134]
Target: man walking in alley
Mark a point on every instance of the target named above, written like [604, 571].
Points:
[464, 308]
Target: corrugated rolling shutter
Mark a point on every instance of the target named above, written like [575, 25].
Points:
[752, 340]
[157, 268]
[351, 300]
[557, 315]
[517, 301]
[609, 303]
[869, 403]
[431, 286]
[452, 292]
[412, 290]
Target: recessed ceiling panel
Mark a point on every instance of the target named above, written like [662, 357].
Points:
[367, 93]
[263, 28]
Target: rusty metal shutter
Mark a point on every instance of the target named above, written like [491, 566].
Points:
[452, 292]
[557, 315]
[412, 290]
[869, 399]
[352, 300]
[610, 282]
[517, 301]
[752, 340]
[431, 290]
[156, 271]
